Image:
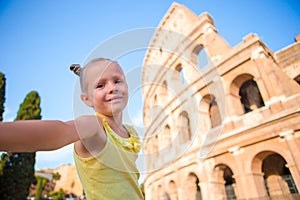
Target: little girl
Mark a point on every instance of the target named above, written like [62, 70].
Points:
[105, 150]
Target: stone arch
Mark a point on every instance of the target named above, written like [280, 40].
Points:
[153, 109]
[250, 96]
[195, 53]
[209, 109]
[245, 94]
[204, 118]
[200, 56]
[224, 182]
[153, 194]
[166, 137]
[161, 93]
[275, 174]
[179, 75]
[185, 133]
[258, 154]
[164, 90]
[162, 193]
[173, 190]
[193, 191]
[155, 99]
[154, 143]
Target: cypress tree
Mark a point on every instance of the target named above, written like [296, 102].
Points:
[18, 170]
[2, 101]
[2, 95]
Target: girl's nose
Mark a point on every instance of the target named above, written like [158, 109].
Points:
[111, 87]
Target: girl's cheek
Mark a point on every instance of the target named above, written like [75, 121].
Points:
[99, 96]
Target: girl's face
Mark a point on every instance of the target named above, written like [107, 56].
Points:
[107, 90]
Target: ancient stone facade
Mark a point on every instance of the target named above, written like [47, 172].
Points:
[222, 127]
[69, 180]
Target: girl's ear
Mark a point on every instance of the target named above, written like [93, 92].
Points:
[84, 97]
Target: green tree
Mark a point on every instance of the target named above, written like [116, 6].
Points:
[2, 95]
[18, 170]
[41, 183]
[56, 176]
[2, 100]
[60, 195]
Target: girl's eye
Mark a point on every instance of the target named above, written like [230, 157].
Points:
[118, 81]
[101, 85]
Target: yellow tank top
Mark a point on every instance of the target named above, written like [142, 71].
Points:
[112, 174]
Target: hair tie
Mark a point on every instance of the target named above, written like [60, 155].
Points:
[76, 69]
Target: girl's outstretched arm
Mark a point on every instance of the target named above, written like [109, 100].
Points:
[36, 135]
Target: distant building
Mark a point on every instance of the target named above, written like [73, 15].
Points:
[69, 180]
[222, 127]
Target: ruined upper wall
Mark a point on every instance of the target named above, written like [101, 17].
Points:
[289, 59]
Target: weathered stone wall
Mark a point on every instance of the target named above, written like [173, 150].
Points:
[226, 129]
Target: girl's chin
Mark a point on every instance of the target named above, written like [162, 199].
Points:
[111, 113]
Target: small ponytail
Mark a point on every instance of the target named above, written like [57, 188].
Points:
[76, 69]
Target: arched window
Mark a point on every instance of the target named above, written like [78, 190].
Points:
[250, 96]
[165, 137]
[173, 190]
[202, 59]
[168, 135]
[155, 143]
[210, 110]
[162, 194]
[193, 188]
[278, 179]
[164, 91]
[155, 100]
[214, 113]
[184, 127]
[179, 71]
[223, 173]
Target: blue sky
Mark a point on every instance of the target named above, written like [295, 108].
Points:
[40, 39]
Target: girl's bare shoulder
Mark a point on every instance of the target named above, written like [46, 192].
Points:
[88, 126]
[92, 136]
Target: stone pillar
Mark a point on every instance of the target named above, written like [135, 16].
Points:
[216, 190]
[295, 174]
[149, 191]
[259, 57]
[181, 194]
[294, 150]
[173, 196]
[216, 47]
[241, 186]
[256, 185]
[204, 190]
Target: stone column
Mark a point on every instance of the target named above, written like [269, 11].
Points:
[294, 149]
[241, 180]
[216, 190]
[256, 185]
[181, 193]
[295, 174]
[204, 190]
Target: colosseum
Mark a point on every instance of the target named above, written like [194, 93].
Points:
[222, 122]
